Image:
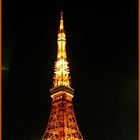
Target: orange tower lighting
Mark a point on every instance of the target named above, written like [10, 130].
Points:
[62, 124]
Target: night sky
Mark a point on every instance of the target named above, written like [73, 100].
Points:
[102, 51]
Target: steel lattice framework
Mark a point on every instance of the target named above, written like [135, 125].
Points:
[62, 124]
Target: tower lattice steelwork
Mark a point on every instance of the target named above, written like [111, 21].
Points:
[62, 124]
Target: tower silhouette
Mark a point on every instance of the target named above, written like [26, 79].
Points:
[62, 124]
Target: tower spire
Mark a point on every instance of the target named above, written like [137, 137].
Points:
[61, 72]
[61, 27]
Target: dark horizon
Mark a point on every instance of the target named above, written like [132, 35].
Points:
[102, 52]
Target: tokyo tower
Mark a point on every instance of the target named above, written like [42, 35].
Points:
[62, 124]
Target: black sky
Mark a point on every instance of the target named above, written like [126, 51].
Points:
[102, 51]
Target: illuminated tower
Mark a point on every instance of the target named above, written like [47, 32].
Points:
[62, 123]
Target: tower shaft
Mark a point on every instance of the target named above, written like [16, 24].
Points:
[62, 123]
